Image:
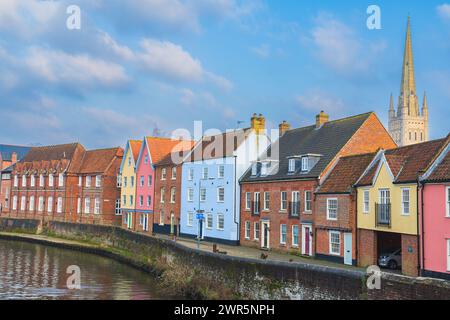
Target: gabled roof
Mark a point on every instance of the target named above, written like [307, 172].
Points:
[230, 141]
[345, 174]
[134, 146]
[405, 163]
[439, 170]
[98, 161]
[160, 148]
[6, 151]
[176, 153]
[327, 141]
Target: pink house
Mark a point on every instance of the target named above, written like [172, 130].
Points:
[435, 220]
[153, 149]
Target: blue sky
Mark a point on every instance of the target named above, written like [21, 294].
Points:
[137, 67]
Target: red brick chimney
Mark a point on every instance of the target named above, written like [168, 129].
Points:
[13, 158]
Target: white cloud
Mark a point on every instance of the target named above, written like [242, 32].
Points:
[340, 48]
[316, 100]
[80, 70]
[263, 51]
[444, 11]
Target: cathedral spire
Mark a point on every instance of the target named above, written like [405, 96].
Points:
[425, 105]
[408, 98]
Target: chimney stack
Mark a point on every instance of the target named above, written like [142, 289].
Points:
[283, 127]
[258, 123]
[321, 119]
[13, 158]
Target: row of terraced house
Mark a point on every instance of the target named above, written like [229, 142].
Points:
[336, 190]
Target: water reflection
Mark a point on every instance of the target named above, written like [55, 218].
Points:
[29, 271]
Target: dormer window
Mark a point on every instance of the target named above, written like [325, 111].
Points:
[305, 164]
[265, 168]
[291, 165]
[254, 169]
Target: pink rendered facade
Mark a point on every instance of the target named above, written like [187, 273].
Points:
[145, 186]
[436, 230]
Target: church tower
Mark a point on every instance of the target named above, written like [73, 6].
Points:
[408, 125]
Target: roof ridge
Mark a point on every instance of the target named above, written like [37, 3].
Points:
[360, 155]
[333, 121]
[103, 149]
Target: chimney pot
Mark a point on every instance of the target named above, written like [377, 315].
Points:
[258, 123]
[283, 127]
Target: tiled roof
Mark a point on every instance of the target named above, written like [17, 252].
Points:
[135, 148]
[176, 153]
[407, 163]
[442, 171]
[325, 141]
[345, 174]
[47, 153]
[6, 151]
[98, 161]
[230, 141]
[161, 147]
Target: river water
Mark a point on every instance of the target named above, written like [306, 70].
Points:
[31, 271]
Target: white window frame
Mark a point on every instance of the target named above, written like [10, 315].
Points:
[41, 204]
[41, 181]
[285, 201]
[87, 205]
[328, 209]
[97, 206]
[247, 230]
[23, 203]
[163, 174]
[24, 181]
[79, 205]
[50, 204]
[294, 244]
[80, 181]
[366, 201]
[330, 243]
[51, 180]
[141, 200]
[283, 241]
[131, 200]
[305, 164]
[31, 204]
[88, 182]
[98, 181]
[162, 195]
[221, 171]
[14, 202]
[448, 254]
[173, 195]
[404, 213]
[191, 174]
[190, 195]
[141, 181]
[59, 205]
[174, 173]
[219, 217]
[209, 221]
[60, 180]
[132, 181]
[266, 204]
[203, 195]
[291, 168]
[256, 230]
[16, 181]
[205, 173]
[219, 189]
[149, 180]
[190, 219]
[308, 201]
[149, 201]
[32, 181]
[248, 201]
[118, 208]
[448, 202]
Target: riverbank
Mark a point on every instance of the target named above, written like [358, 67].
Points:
[196, 274]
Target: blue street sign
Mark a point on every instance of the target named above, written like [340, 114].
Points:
[200, 216]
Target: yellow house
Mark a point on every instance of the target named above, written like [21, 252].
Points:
[387, 207]
[128, 182]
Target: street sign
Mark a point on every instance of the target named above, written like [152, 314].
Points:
[200, 216]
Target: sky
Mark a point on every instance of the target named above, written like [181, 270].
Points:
[148, 67]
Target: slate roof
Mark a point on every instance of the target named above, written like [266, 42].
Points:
[326, 141]
[6, 151]
[345, 174]
[230, 142]
[407, 163]
[98, 161]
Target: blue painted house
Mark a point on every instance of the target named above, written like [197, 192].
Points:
[210, 182]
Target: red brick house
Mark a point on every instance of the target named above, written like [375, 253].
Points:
[335, 210]
[66, 183]
[168, 174]
[277, 204]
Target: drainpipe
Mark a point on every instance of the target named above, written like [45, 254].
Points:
[356, 227]
[234, 200]
[422, 190]
[419, 247]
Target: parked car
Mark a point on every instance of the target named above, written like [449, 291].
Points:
[392, 260]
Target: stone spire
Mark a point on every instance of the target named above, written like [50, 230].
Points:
[408, 103]
[391, 107]
[425, 106]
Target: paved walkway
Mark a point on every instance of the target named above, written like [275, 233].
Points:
[246, 252]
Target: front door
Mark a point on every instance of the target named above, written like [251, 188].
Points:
[348, 259]
[307, 242]
[130, 220]
[265, 238]
[145, 223]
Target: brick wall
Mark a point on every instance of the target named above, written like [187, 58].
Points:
[274, 215]
[410, 258]
[367, 251]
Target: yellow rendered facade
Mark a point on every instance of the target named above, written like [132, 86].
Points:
[128, 176]
[403, 214]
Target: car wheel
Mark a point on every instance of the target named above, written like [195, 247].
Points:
[392, 265]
